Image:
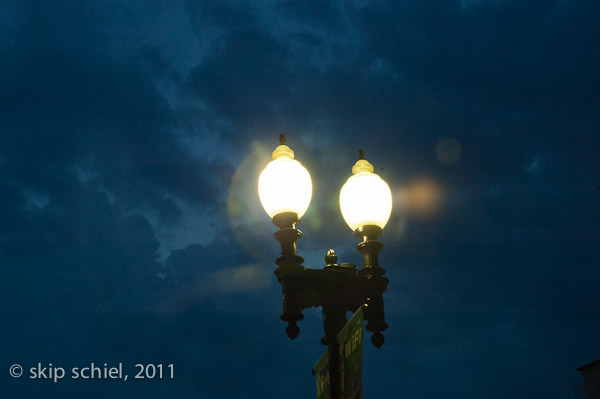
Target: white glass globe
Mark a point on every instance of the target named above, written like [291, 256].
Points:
[284, 185]
[365, 199]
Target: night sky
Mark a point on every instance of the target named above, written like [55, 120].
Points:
[131, 139]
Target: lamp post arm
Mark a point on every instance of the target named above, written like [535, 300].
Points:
[336, 289]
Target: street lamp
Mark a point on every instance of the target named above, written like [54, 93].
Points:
[284, 186]
[285, 190]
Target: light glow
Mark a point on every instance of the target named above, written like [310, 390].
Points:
[284, 185]
[365, 199]
[421, 198]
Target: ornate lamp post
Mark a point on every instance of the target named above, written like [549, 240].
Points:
[285, 191]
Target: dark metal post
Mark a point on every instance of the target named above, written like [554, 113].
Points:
[287, 236]
[289, 260]
[369, 248]
[334, 319]
[336, 288]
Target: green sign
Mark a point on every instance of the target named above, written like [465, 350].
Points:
[350, 340]
[321, 373]
[350, 348]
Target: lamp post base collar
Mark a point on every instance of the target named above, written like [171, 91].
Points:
[286, 220]
[368, 232]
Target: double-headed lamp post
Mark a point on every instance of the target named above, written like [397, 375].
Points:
[285, 190]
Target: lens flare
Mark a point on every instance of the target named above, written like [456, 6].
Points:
[448, 151]
[421, 198]
[247, 218]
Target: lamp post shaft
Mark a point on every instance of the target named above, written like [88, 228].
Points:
[334, 319]
[337, 289]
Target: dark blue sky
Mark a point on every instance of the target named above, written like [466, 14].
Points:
[132, 135]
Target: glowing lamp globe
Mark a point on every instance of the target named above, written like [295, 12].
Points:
[365, 199]
[284, 185]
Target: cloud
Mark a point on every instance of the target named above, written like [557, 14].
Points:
[72, 104]
[131, 137]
